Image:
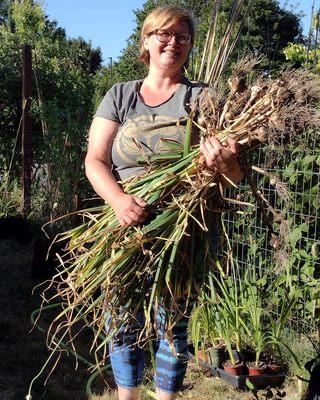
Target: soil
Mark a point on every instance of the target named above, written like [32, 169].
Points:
[229, 364]
[252, 364]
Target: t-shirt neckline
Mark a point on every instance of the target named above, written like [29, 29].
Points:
[182, 81]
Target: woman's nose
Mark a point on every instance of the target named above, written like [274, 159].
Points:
[173, 39]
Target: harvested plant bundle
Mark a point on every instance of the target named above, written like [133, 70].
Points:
[123, 270]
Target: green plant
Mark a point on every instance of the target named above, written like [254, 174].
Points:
[253, 311]
[279, 321]
[61, 102]
[10, 196]
[204, 329]
[224, 299]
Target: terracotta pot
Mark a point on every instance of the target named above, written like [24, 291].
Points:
[256, 369]
[233, 369]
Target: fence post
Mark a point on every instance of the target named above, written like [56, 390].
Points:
[26, 129]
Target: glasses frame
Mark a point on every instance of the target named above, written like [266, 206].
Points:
[157, 31]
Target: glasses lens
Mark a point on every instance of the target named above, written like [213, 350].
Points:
[164, 36]
[183, 38]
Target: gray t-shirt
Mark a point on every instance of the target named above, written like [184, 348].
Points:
[143, 125]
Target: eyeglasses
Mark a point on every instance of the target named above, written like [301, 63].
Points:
[165, 36]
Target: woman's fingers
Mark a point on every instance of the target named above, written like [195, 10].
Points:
[213, 142]
[202, 160]
[220, 157]
[138, 208]
[127, 220]
[134, 216]
[212, 150]
[131, 211]
[140, 201]
[130, 219]
[122, 222]
[234, 146]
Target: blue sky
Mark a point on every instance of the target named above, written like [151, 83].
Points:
[304, 6]
[108, 24]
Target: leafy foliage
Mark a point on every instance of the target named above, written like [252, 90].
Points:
[294, 267]
[299, 54]
[268, 29]
[10, 193]
[62, 101]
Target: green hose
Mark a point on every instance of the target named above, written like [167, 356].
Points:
[93, 377]
[62, 344]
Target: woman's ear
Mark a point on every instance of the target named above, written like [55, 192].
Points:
[186, 64]
[146, 42]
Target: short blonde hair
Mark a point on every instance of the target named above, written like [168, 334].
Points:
[159, 18]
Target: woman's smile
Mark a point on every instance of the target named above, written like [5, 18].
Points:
[171, 53]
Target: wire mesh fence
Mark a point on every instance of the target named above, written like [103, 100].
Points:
[290, 254]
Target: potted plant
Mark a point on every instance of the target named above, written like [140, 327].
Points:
[259, 338]
[226, 299]
[208, 346]
[274, 365]
[277, 326]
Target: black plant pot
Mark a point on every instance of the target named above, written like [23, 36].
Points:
[216, 356]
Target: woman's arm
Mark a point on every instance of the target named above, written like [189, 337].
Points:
[129, 209]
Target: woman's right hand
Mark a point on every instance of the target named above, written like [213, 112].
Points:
[130, 210]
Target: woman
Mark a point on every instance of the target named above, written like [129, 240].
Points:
[143, 112]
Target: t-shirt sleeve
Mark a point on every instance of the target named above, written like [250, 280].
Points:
[108, 107]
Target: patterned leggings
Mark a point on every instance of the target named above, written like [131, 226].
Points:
[128, 359]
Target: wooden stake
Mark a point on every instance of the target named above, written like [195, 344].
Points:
[310, 33]
[26, 129]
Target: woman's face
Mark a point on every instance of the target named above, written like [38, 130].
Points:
[170, 55]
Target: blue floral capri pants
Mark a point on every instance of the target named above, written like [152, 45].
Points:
[128, 358]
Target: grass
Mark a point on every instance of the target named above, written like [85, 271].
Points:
[199, 385]
[10, 196]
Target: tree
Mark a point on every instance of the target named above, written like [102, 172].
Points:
[268, 29]
[4, 11]
[62, 102]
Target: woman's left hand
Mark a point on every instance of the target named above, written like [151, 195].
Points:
[221, 158]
